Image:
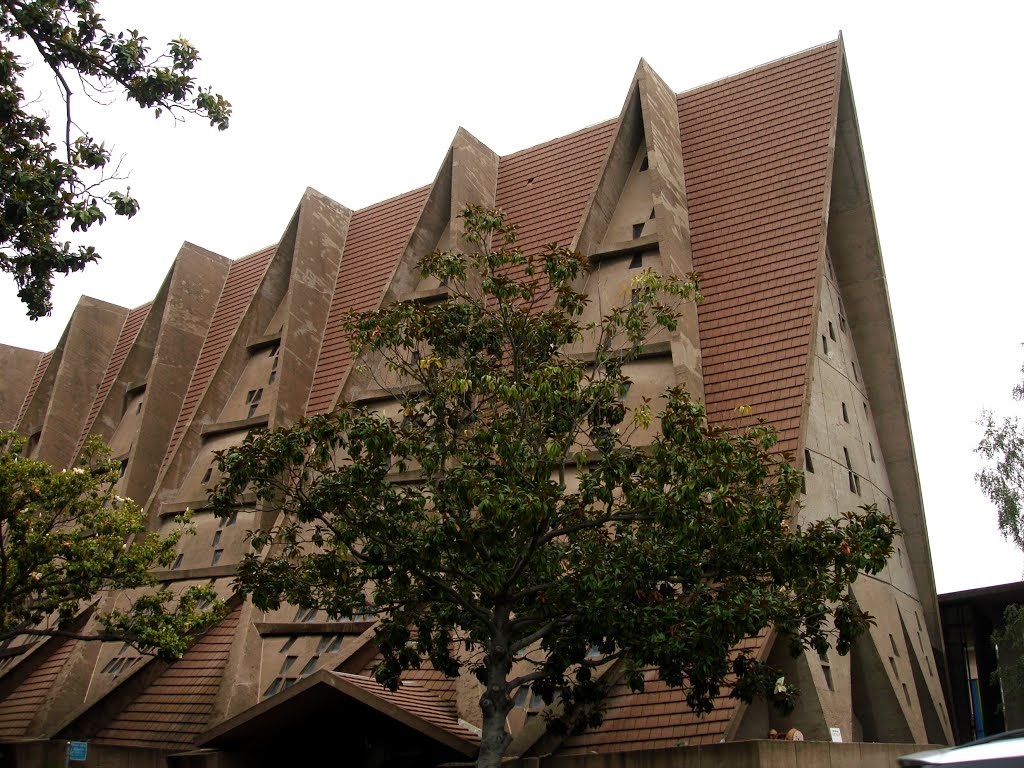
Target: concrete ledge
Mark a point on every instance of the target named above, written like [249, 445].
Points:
[185, 574]
[271, 629]
[626, 248]
[209, 430]
[262, 342]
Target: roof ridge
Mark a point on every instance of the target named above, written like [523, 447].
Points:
[765, 65]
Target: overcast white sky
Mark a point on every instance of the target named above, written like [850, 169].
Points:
[361, 101]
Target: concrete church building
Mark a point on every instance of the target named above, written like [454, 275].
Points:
[756, 181]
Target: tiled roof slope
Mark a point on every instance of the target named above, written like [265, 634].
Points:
[243, 278]
[22, 704]
[544, 189]
[176, 707]
[376, 237]
[756, 152]
[435, 682]
[129, 332]
[40, 370]
[416, 700]
[654, 718]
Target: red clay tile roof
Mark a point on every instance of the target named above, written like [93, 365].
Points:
[417, 700]
[243, 278]
[129, 332]
[22, 704]
[177, 706]
[376, 237]
[756, 153]
[544, 189]
[40, 370]
[656, 717]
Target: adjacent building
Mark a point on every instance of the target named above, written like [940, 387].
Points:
[756, 181]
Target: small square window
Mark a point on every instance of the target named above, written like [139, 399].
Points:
[639, 294]
[637, 261]
[638, 231]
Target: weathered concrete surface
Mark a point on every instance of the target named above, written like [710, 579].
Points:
[18, 366]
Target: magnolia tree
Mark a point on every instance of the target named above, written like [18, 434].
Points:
[66, 538]
[510, 520]
[52, 177]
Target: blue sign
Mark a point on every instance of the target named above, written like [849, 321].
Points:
[77, 750]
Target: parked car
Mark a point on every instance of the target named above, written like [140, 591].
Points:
[1000, 751]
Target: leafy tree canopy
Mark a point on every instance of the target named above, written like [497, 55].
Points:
[56, 176]
[1002, 480]
[511, 515]
[66, 538]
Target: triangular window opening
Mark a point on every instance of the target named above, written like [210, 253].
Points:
[644, 165]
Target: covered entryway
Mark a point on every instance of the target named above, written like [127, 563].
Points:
[333, 718]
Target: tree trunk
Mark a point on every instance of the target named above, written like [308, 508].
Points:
[495, 705]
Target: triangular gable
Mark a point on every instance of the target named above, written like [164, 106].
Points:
[411, 705]
[129, 332]
[239, 286]
[85, 349]
[645, 143]
[468, 175]
[318, 234]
